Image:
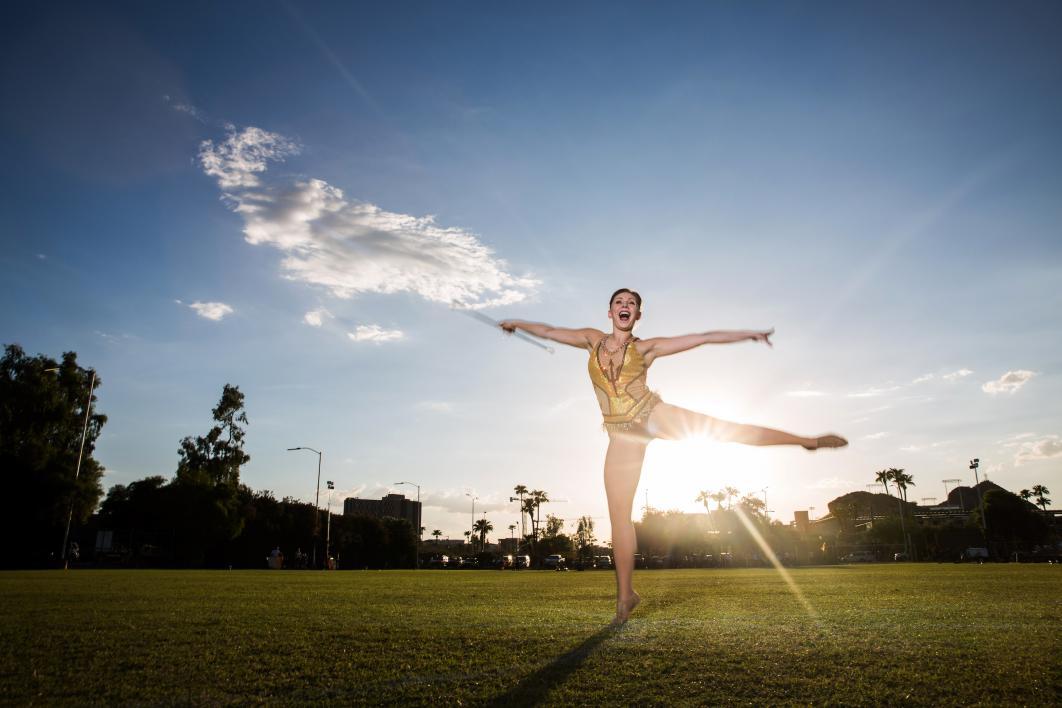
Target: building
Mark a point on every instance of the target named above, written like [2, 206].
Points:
[395, 505]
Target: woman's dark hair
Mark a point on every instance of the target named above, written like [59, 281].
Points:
[637, 297]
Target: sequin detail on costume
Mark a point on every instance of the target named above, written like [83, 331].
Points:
[625, 400]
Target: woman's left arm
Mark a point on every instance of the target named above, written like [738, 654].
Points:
[665, 346]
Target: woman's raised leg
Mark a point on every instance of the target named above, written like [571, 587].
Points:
[670, 422]
[623, 467]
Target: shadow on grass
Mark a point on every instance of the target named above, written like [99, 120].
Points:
[533, 688]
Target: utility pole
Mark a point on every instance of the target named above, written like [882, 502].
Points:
[974, 464]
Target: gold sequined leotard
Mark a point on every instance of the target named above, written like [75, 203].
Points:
[625, 400]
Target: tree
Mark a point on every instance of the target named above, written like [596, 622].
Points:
[883, 478]
[584, 537]
[482, 527]
[554, 526]
[468, 537]
[437, 534]
[1025, 494]
[1012, 520]
[539, 497]
[1041, 492]
[520, 491]
[731, 493]
[207, 483]
[704, 496]
[901, 479]
[42, 416]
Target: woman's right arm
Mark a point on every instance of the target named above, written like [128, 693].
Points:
[581, 338]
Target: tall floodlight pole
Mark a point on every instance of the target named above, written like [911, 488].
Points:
[316, 501]
[77, 470]
[472, 536]
[328, 527]
[418, 518]
[766, 511]
[974, 464]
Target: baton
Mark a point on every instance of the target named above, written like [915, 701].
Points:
[475, 314]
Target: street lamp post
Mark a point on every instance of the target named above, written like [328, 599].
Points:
[974, 464]
[316, 501]
[766, 512]
[328, 527]
[77, 470]
[418, 519]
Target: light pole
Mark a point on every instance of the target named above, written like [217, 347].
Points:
[316, 501]
[418, 518]
[974, 464]
[77, 470]
[766, 512]
[328, 528]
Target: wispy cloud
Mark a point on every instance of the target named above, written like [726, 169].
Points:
[956, 375]
[315, 318]
[874, 391]
[1046, 448]
[351, 247]
[455, 500]
[1009, 382]
[375, 333]
[215, 311]
[923, 378]
[876, 436]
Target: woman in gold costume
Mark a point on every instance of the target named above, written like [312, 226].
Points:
[634, 415]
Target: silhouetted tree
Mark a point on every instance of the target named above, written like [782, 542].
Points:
[42, 415]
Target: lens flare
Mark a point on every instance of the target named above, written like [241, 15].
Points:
[762, 543]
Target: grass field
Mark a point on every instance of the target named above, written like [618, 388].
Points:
[884, 634]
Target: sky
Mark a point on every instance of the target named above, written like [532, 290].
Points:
[292, 197]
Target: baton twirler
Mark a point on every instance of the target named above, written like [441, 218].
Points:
[476, 315]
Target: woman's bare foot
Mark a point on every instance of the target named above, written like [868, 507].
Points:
[624, 608]
[824, 441]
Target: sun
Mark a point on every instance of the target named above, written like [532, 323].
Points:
[676, 472]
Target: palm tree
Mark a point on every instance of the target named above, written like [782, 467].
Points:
[437, 534]
[1025, 494]
[718, 498]
[730, 493]
[1041, 493]
[883, 477]
[468, 535]
[540, 497]
[703, 496]
[898, 477]
[520, 490]
[901, 479]
[482, 527]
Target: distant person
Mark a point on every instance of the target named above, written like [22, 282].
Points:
[634, 416]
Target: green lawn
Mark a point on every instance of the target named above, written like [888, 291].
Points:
[884, 634]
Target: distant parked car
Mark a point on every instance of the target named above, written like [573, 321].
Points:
[901, 557]
[502, 562]
[978, 555]
[603, 562]
[438, 561]
[859, 557]
[522, 562]
[553, 561]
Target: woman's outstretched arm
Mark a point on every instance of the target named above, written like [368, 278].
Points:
[581, 338]
[664, 346]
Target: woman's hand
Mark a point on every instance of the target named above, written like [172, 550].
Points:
[509, 326]
[764, 337]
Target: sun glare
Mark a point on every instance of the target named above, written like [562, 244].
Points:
[675, 472]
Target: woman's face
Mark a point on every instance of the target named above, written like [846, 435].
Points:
[624, 312]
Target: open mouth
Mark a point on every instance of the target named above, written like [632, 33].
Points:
[625, 316]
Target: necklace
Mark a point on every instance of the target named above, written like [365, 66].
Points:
[610, 350]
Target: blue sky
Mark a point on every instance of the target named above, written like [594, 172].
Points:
[880, 183]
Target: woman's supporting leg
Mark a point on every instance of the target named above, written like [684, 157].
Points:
[670, 422]
[623, 467]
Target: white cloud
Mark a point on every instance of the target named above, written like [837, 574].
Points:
[874, 391]
[876, 436]
[1044, 449]
[315, 318]
[455, 500]
[923, 378]
[912, 448]
[351, 247]
[956, 375]
[42, 257]
[1008, 382]
[806, 393]
[375, 333]
[215, 311]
